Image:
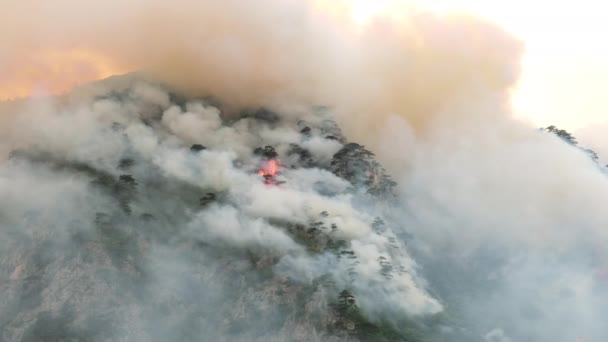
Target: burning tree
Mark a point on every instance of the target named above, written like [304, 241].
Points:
[270, 167]
[270, 170]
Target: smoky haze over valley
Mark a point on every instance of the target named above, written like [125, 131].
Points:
[273, 172]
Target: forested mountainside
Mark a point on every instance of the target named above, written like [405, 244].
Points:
[137, 214]
[162, 221]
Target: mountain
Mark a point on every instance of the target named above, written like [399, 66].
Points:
[142, 215]
[132, 212]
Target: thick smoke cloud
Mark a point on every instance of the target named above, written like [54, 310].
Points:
[521, 210]
[504, 222]
[282, 53]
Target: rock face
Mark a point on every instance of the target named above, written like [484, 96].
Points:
[192, 246]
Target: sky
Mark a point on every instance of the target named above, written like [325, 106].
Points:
[565, 66]
[564, 69]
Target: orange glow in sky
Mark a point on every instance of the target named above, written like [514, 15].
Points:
[54, 72]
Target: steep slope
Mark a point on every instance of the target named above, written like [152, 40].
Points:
[157, 220]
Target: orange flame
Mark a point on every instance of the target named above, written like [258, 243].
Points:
[270, 169]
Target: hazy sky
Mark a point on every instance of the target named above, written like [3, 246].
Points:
[565, 68]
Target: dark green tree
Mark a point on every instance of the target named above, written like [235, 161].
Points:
[196, 148]
[378, 225]
[346, 300]
[570, 139]
[563, 134]
[357, 165]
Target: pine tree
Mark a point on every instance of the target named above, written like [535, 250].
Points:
[563, 134]
[356, 164]
[346, 300]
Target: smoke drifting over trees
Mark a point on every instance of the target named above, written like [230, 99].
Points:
[409, 204]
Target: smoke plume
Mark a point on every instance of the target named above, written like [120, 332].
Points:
[495, 229]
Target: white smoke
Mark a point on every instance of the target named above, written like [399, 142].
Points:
[506, 220]
[139, 126]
